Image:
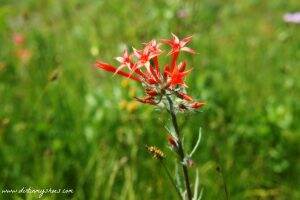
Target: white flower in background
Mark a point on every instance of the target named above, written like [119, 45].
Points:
[292, 17]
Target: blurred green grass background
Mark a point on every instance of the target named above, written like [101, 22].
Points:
[64, 124]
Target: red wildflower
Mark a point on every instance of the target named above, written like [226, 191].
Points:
[155, 51]
[143, 56]
[176, 77]
[151, 51]
[143, 66]
[125, 61]
[178, 45]
[153, 48]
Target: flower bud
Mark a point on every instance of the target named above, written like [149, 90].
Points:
[184, 96]
[151, 92]
[188, 162]
[172, 142]
[197, 105]
[147, 100]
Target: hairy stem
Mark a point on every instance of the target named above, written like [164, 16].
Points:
[180, 149]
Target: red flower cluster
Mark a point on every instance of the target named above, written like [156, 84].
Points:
[143, 67]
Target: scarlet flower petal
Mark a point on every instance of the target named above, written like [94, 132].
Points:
[137, 53]
[189, 50]
[176, 76]
[167, 41]
[110, 68]
[186, 40]
[119, 68]
[175, 38]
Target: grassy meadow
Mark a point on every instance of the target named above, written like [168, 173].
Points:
[65, 124]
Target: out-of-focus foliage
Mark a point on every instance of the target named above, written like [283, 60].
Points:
[64, 124]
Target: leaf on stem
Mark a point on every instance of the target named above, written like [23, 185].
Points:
[178, 179]
[197, 143]
[197, 195]
[196, 186]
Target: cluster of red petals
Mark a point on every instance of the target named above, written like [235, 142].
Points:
[143, 66]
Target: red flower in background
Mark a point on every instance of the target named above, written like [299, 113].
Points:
[21, 51]
[18, 38]
[143, 66]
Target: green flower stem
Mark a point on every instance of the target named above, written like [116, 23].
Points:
[180, 149]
